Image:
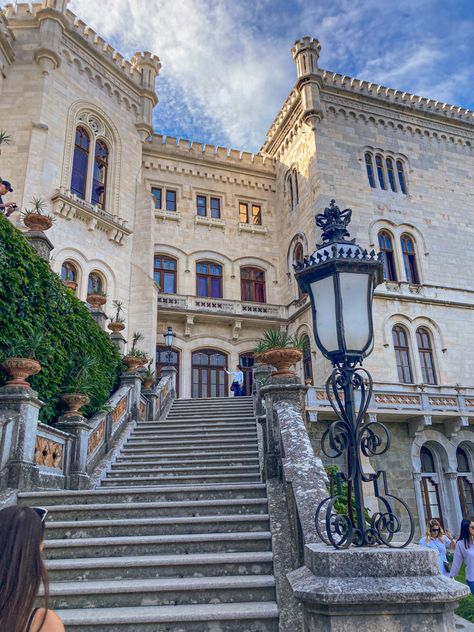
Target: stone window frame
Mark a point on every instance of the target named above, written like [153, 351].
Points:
[291, 188]
[84, 267]
[391, 184]
[208, 204]
[253, 283]
[298, 239]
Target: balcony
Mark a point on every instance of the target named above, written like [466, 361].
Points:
[222, 307]
[66, 204]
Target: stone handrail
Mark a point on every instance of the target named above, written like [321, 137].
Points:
[160, 398]
[52, 454]
[179, 302]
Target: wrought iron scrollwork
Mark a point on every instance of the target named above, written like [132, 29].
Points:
[349, 390]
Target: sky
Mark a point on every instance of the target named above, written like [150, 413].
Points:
[227, 66]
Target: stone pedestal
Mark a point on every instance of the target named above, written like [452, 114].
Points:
[261, 375]
[171, 371]
[79, 428]
[133, 379]
[99, 316]
[375, 590]
[40, 243]
[19, 410]
[119, 341]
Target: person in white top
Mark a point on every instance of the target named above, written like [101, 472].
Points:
[237, 381]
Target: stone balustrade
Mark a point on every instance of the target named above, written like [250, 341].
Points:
[185, 303]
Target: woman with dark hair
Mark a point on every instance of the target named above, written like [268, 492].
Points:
[464, 552]
[22, 571]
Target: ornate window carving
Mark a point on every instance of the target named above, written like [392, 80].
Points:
[409, 259]
[386, 246]
[425, 352]
[402, 354]
[252, 285]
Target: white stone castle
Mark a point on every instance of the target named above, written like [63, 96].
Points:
[204, 238]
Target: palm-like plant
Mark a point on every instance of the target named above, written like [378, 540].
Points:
[5, 139]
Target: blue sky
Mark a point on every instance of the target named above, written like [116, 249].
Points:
[227, 66]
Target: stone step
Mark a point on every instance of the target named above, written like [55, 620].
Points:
[190, 456]
[100, 511]
[197, 417]
[156, 526]
[193, 437]
[135, 494]
[238, 617]
[153, 479]
[119, 469]
[193, 565]
[162, 591]
[194, 445]
[195, 432]
[167, 462]
[201, 427]
[159, 544]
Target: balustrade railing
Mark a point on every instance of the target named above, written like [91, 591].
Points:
[221, 306]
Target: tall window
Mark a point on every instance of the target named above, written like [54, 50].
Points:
[252, 285]
[164, 273]
[391, 174]
[292, 188]
[156, 192]
[298, 256]
[69, 272]
[209, 279]
[409, 259]
[80, 163]
[466, 495]
[307, 361]
[215, 208]
[386, 246]
[402, 355]
[401, 176]
[99, 179]
[209, 378]
[250, 213]
[201, 203]
[425, 351]
[170, 200]
[380, 172]
[95, 283]
[429, 486]
[370, 169]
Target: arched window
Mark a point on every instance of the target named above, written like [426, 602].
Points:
[99, 179]
[69, 272]
[425, 351]
[409, 259]
[252, 285]
[380, 173]
[401, 176]
[289, 188]
[386, 246]
[209, 279]
[80, 163]
[307, 361]
[298, 256]
[402, 355]
[164, 273]
[466, 495]
[429, 486]
[369, 165]
[209, 378]
[391, 174]
[95, 283]
[295, 187]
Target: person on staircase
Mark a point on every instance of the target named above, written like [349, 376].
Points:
[22, 571]
[6, 207]
[237, 381]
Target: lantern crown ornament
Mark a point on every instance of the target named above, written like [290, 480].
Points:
[334, 223]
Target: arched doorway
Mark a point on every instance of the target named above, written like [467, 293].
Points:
[246, 361]
[162, 361]
[209, 378]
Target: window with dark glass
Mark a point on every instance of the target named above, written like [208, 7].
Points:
[425, 351]
[307, 360]
[401, 176]
[215, 208]
[465, 488]
[246, 361]
[298, 256]
[296, 187]
[289, 185]
[209, 279]
[69, 272]
[429, 486]
[409, 259]
[380, 173]
[209, 378]
[156, 192]
[402, 355]
[252, 284]
[164, 273]
[386, 247]
[95, 283]
[80, 162]
[391, 174]
[170, 200]
[250, 213]
[370, 169]
[99, 180]
[201, 204]
[165, 359]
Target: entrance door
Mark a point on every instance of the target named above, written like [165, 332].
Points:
[246, 361]
[209, 378]
[162, 361]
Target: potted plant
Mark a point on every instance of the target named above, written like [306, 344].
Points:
[279, 350]
[78, 386]
[96, 297]
[135, 358]
[117, 322]
[35, 218]
[21, 361]
[5, 139]
[148, 376]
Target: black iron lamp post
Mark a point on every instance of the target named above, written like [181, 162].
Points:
[169, 337]
[340, 278]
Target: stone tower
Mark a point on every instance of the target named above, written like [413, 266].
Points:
[306, 54]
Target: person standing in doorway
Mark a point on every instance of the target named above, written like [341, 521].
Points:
[237, 381]
[464, 552]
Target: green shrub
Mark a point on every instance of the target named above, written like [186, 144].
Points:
[33, 300]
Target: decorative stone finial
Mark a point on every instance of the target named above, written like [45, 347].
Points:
[333, 223]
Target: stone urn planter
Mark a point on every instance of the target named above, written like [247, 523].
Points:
[148, 382]
[133, 363]
[115, 327]
[37, 222]
[96, 300]
[19, 369]
[74, 401]
[72, 285]
[282, 360]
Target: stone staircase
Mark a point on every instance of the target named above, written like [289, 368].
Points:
[176, 539]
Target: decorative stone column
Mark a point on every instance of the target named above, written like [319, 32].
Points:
[133, 379]
[119, 341]
[99, 316]
[172, 372]
[79, 428]
[375, 589]
[19, 410]
[40, 243]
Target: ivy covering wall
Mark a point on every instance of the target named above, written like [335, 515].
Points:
[34, 300]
